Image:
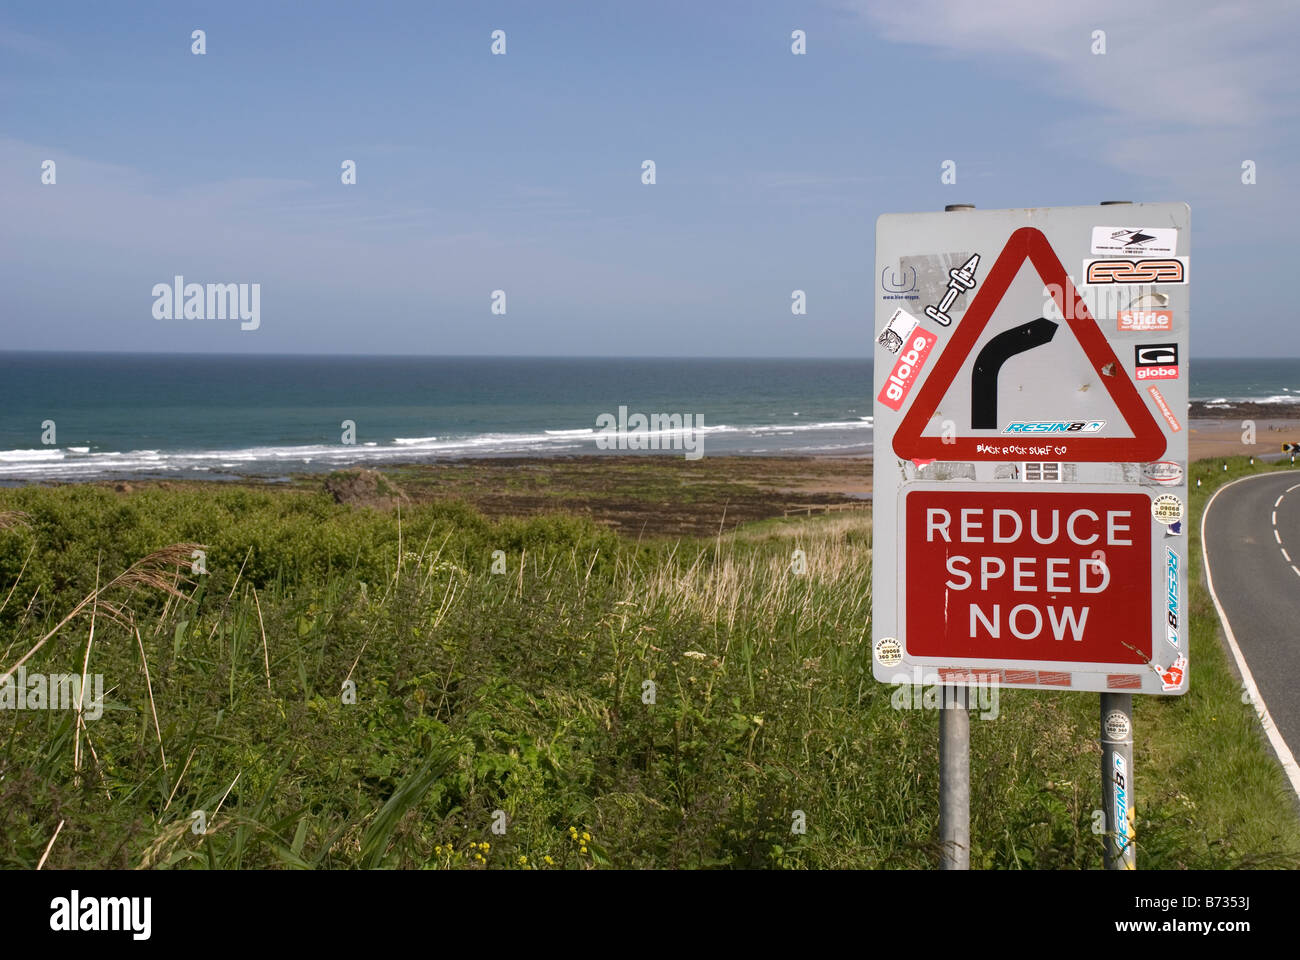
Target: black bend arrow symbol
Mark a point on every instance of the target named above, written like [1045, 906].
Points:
[984, 378]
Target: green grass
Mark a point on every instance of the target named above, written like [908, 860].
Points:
[1217, 771]
[526, 692]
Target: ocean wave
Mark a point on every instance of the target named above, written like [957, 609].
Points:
[26, 456]
[80, 463]
[1228, 401]
[866, 424]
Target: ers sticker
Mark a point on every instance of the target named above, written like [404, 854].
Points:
[909, 363]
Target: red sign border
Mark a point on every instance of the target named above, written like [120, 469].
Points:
[1148, 442]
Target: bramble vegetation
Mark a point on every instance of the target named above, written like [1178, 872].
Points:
[354, 688]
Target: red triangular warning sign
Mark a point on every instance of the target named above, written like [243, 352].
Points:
[1148, 441]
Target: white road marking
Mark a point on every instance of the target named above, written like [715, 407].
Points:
[1289, 489]
[1284, 755]
[1277, 535]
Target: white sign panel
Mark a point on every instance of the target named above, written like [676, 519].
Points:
[1030, 452]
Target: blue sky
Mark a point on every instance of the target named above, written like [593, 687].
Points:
[522, 172]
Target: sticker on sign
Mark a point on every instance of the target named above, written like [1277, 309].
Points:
[906, 369]
[1143, 321]
[1135, 271]
[1155, 361]
[1128, 241]
[888, 651]
[1167, 508]
[897, 331]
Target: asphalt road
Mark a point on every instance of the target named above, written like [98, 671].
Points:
[1252, 543]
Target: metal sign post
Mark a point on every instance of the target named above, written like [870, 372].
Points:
[954, 737]
[1029, 469]
[954, 779]
[1117, 780]
[1120, 851]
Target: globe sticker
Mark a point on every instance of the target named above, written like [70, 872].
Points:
[888, 651]
[1167, 508]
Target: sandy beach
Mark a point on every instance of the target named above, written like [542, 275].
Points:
[1228, 438]
[1226, 430]
[1240, 429]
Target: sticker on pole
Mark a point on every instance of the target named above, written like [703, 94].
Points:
[1117, 727]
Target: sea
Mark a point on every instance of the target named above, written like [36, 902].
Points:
[104, 416]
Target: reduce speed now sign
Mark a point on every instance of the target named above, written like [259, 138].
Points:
[1030, 452]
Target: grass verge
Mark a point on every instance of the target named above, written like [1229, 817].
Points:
[354, 688]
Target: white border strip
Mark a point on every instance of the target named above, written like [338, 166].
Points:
[1284, 755]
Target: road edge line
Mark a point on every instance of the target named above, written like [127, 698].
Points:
[1284, 755]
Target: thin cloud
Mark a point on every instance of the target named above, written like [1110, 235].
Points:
[27, 45]
[1168, 65]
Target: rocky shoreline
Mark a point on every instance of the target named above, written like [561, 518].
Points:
[1246, 410]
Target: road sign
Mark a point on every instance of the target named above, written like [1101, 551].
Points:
[1031, 448]
[982, 435]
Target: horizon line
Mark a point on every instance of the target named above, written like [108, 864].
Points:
[495, 356]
